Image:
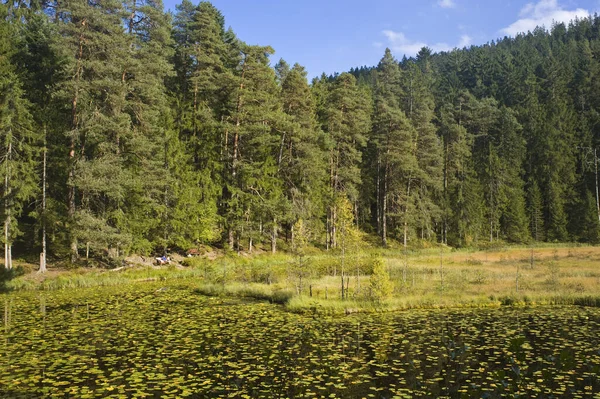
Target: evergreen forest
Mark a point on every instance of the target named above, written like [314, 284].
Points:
[128, 129]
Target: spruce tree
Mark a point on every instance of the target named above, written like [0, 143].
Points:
[536, 211]
[19, 143]
[511, 152]
[38, 64]
[420, 109]
[463, 194]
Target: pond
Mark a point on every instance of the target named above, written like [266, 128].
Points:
[151, 341]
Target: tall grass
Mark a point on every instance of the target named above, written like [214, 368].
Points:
[425, 278]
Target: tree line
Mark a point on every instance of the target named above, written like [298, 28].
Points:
[128, 129]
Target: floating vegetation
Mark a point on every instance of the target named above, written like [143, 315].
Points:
[155, 342]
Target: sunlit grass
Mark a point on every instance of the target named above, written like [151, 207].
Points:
[425, 278]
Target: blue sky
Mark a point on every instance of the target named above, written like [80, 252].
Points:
[335, 35]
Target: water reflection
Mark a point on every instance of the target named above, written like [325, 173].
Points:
[173, 343]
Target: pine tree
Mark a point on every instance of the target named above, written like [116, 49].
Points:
[38, 63]
[116, 94]
[204, 92]
[152, 147]
[19, 142]
[347, 121]
[302, 157]
[395, 140]
[254, 193]
[93, 93]
[420, 109]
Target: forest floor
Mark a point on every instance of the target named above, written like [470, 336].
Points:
[425, 278]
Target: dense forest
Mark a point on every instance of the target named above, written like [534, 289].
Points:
[128, 129]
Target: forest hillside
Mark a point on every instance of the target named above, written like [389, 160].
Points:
[129, 129]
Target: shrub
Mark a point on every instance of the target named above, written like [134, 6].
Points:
[380, 284]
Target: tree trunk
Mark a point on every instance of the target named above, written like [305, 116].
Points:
[195, 119]
[378, 195]
[280, 157]
[274, 237]
[335, 189]
[7, 207]
[238, 123]
[333, 228]
[7, 259]
[343, 261]
[357, 279]
[384, 211]
[442, 266]
[236, 143]
[347, 286]
[43, 255]
[74, 125]
[230, 238]
[330, 218]
[445, 212]
[596, 181]
[406, 214]
[328, 231]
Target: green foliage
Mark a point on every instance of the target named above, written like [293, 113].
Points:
[301, 237]
[535, 208]
[302, 150]
[348, 235]
[347, 122]
[19, 140]
[164, 132]
[380, 286]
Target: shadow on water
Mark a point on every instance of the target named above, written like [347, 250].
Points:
[8, 274]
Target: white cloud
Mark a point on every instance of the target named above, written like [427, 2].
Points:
[465, 41]
[446, 3]
[543, 13]
[399, 43]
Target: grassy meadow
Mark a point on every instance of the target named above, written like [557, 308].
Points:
[424, 278]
